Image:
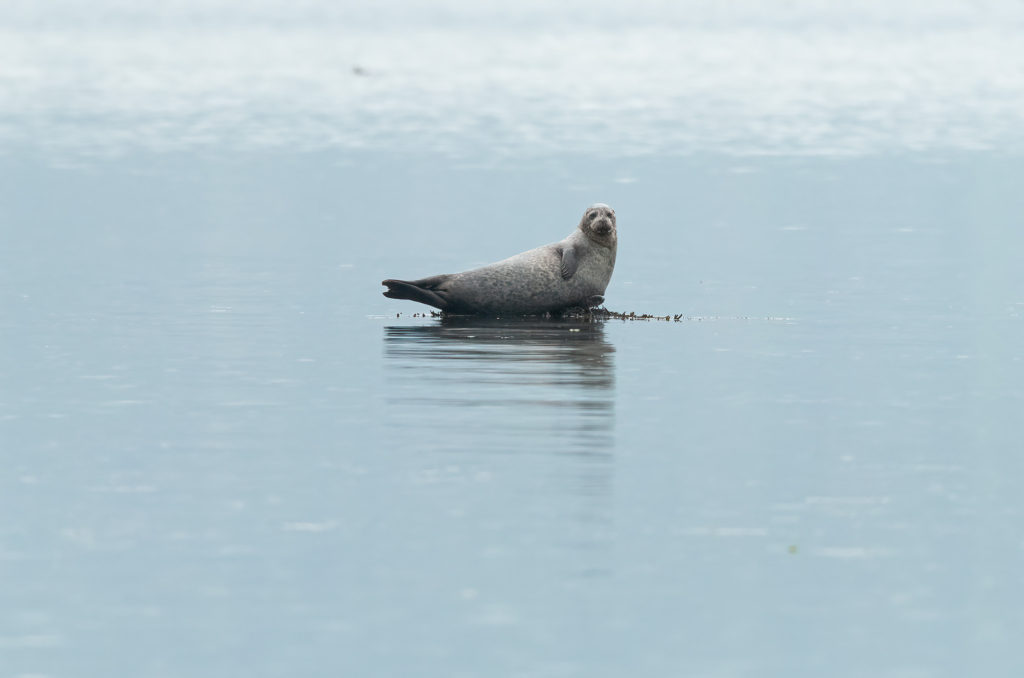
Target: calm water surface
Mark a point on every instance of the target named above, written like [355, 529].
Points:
[226, 453]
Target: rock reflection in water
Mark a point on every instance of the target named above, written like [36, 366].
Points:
[504, 384]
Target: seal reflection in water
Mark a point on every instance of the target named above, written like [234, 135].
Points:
[567, 274]
[495, 384]
[494, 408]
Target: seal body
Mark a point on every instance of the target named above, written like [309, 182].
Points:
[573, 272]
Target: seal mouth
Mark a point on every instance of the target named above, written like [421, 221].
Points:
[602, 228]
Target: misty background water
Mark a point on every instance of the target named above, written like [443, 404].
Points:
[225, 452]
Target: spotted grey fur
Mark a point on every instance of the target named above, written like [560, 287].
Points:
[571, 273]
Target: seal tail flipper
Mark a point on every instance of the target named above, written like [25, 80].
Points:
[424, 291]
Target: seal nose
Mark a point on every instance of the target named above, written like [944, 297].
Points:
[602, 228]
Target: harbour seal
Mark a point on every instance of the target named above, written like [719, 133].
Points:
[571, 273]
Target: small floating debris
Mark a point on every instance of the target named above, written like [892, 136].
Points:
[580, 314]
[602, 313]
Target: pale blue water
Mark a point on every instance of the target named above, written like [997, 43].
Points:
[226, 453]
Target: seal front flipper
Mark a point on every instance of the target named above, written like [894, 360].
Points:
[569, 262]
[426, 291]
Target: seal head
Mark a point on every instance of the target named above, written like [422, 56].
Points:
[598, 224]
